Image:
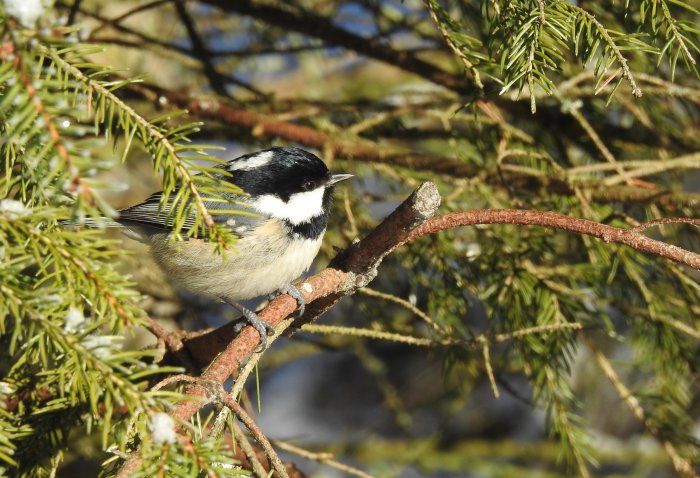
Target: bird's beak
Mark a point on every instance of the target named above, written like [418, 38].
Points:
[336, 178]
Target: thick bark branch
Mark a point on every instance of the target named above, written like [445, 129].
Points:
[356, 266]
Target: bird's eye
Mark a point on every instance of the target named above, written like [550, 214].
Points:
[309, 185]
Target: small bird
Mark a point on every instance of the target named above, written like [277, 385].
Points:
[285, 214]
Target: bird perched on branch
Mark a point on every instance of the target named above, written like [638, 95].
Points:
[283, 219]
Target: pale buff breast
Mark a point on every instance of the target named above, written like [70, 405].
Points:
[253, 268]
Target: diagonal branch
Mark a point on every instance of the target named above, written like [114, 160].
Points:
[275, 462]
[223, 353]
[356, 266]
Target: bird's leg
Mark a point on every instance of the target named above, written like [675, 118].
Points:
[296, 294]
[263, 328]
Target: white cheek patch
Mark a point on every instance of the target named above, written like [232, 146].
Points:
[253, 162]
[301, 207]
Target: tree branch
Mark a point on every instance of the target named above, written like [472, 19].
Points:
[628, 237]
[265, 125]
[357, 265]
[308, 23]
[275, 462]
[200, 49]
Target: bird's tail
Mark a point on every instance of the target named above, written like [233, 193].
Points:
[131, 231]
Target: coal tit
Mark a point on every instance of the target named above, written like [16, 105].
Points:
[289, 194]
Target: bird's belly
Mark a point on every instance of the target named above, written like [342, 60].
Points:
[253, 268]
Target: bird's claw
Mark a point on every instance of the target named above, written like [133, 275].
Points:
[251, 318]
[296, 294]
[263, 328]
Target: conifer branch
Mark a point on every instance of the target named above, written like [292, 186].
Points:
[561, 414]
[671, 22]
[77, 184]
[442, 22]
[149, 132]
[48, 244]
[614, 48]
[681, 464]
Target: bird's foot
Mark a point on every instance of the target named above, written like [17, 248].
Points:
[251, 318]
[297, 295]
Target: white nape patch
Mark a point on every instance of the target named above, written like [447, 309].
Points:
[301, 207]
[255, 161]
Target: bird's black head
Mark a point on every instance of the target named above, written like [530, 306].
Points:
[289, 184]
[281, 171]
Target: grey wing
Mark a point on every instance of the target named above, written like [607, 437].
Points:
[150, 217]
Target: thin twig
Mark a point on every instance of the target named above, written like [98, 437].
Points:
[681, 464]
[113, 22]
[370, 334]
[599, 143]
[406, 305]
[171, 339]
[352, 233]
[665, 220]
[275, 462]
[643, 167]
[538, 329]
[248, 451]
[423, 342]
[322, 457]
[174, 378]
[200, 49]
[489, 369]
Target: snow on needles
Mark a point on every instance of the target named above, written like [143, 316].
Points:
[26, 11]
[163, 428]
